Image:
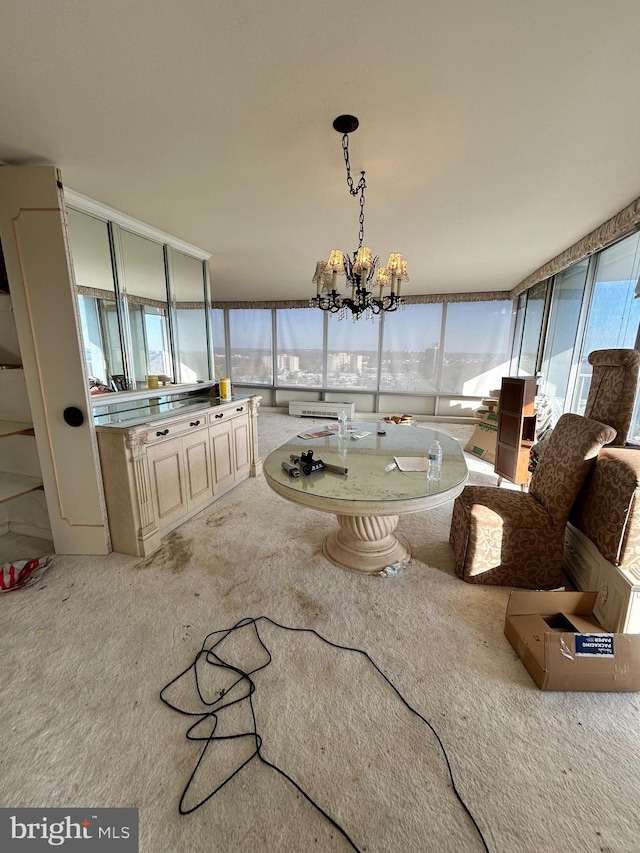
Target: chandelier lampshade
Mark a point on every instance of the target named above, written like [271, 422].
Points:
[336, 262]
[360, 269]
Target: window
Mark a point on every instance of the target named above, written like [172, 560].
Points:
[352, 354]
[532, 330]
[614, 314]
[476, 347]
[251, 346]
[299, 359]
[94, 350]
[564, 314]
[410, 349]
[219, 343]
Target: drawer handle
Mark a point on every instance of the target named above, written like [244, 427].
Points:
[163, 432]
[194, 423]
[240, 409]
[221, 415]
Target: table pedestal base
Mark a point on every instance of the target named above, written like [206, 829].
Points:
[365, 543]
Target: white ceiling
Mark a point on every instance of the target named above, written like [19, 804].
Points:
[494, 133]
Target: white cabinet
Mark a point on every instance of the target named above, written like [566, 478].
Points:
[157, 474]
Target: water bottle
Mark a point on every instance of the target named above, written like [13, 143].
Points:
[342, 424]
[435, 461]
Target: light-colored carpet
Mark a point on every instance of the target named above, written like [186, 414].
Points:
[86, 651]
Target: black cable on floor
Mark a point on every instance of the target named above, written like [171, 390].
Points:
[245, 679]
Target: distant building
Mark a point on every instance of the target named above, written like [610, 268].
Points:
[288, 362]
[347, 361]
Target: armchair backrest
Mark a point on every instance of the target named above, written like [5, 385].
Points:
[613, 389]
[574, 444]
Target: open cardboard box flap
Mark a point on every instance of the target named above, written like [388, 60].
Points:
[564, 647]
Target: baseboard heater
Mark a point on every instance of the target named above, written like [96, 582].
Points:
[321, 410]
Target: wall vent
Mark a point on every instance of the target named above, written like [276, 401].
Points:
[321, 410]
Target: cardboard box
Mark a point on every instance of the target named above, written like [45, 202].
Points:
[561, 643]
[483, 441]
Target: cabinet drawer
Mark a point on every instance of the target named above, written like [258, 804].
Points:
[164, 431]
[222, 415]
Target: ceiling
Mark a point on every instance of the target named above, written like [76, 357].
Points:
[494, 134]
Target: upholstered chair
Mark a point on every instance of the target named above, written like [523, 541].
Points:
[516, 538]
[607, 510]
[613, 389]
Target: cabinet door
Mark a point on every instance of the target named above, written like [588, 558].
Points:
[197, 468]
[222, 457]
[241, 447]
[166, 473]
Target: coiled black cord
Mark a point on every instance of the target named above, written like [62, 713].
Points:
[214, 659]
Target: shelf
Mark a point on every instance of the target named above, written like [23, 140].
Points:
[15, 428]
[14, 485]
[516, 428]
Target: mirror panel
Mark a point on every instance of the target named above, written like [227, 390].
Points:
[147, 307]
[188, 287]
[99, 321]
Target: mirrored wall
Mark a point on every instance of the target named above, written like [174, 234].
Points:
[143, 305]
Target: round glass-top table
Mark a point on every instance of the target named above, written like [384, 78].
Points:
[368, 500]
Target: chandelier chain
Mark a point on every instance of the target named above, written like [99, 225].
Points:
[355, 189]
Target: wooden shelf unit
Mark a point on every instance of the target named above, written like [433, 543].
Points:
[516, 428]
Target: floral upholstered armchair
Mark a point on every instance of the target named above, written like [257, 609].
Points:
[516, 538]
[612, 391]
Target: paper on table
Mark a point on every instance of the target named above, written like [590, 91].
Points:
[412, 463]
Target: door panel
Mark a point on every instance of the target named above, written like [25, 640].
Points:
[241, 446]
[197, 465]
[222, 457]
[167, 481]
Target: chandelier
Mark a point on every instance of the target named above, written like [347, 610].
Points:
[370, 288]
